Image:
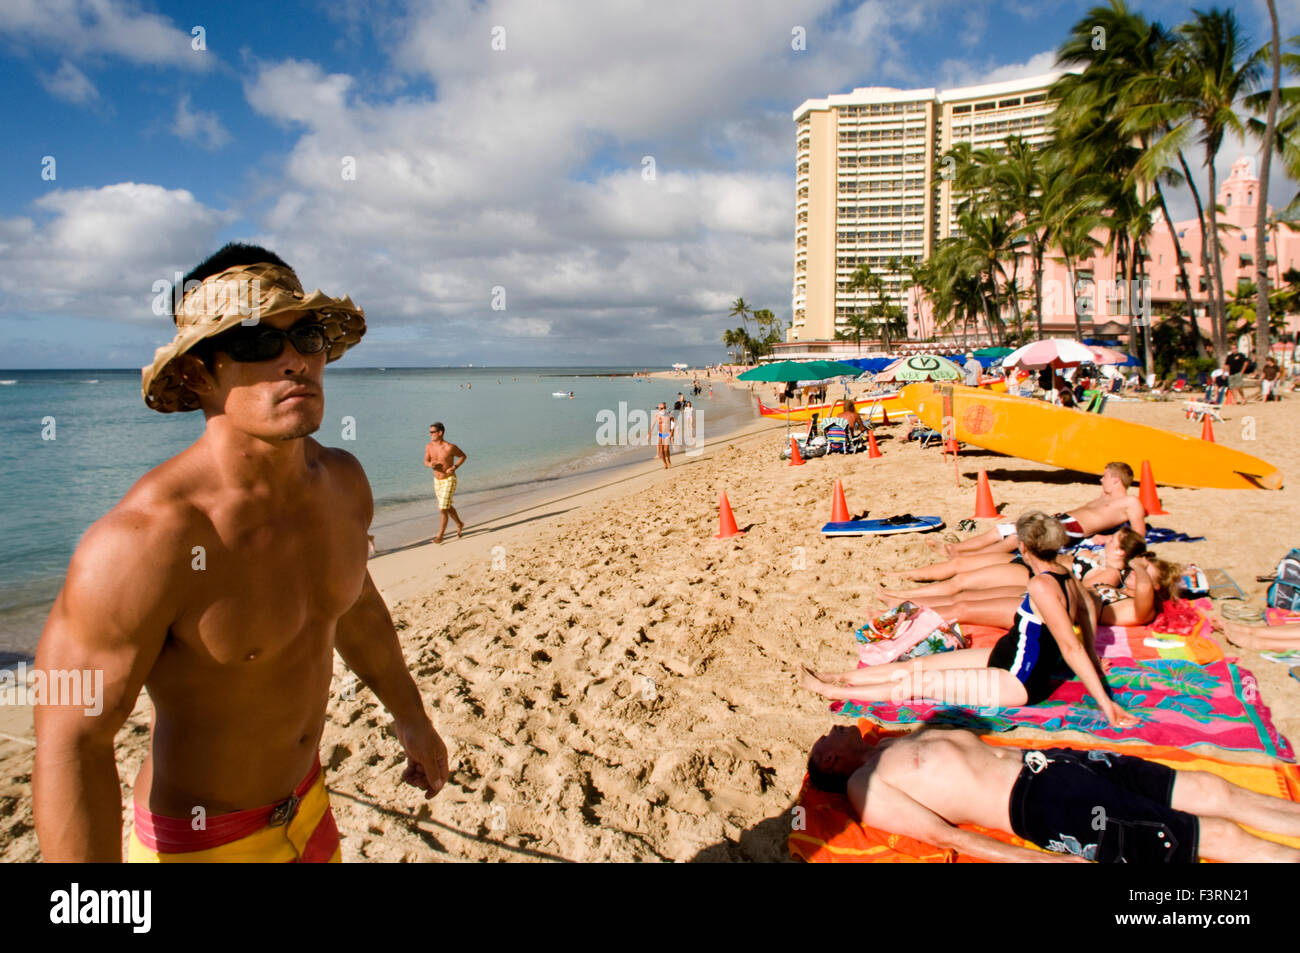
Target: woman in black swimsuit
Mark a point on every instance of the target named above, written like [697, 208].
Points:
[1052, 637]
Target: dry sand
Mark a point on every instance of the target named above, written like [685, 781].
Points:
[615, 684]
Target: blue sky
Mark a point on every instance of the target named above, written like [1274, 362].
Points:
[477, 168]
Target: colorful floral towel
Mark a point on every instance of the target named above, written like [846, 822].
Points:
[1178, 702]
[830, 834]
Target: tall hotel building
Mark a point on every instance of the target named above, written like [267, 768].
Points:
[867, 163]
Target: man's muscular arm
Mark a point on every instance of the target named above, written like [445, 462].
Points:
[366, 640]
[123, 588]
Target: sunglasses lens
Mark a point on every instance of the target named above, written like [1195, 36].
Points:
[308, 338]
[255, 344]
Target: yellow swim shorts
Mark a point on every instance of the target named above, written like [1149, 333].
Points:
[444, 490]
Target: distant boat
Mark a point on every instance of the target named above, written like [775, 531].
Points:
[7, 383]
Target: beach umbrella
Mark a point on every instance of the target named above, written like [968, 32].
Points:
[920, 367]
[783, 372]
[1108, 355]
[1054, 352]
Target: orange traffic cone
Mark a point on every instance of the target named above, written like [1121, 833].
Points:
[873, 450]
[726, 521]
[1147, 492]
[984, 508]
[796, 458]
[839, 506]
[884, 416]
[1230, 399]
[1207, 429]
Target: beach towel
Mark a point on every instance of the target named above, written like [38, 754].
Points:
[831, 834]
[1280, 616]
[1177, 702]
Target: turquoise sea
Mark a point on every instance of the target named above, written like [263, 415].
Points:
[72, 443]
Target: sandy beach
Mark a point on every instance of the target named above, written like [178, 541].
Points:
[615, 684]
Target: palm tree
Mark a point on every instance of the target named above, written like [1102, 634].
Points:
[1209, 75]
[1261, 212]
[740, 309]
[856, 326]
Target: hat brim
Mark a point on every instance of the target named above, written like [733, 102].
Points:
[162, 385]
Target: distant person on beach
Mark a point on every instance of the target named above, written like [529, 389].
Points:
[441, 457]
[1102, 516]
[1236, 365]
[688, 424]
[664, 428]
[1268, 379]
[1078, 805]
[223, 583]
[972, 370]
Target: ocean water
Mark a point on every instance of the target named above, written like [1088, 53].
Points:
[73, 442]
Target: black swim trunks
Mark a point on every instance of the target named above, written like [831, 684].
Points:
[1102, 806]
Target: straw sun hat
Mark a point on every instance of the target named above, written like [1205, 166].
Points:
[225, 300]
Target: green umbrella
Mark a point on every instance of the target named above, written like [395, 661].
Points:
[787, 371]
[992, 352]
[920, 367]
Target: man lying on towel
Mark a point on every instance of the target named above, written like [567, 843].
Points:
[1106, 514]
[1079, 805]
[223, 582]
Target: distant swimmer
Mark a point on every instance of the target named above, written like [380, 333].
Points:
[664, 429]
[441, 457]
[223, 582]
[570, 395]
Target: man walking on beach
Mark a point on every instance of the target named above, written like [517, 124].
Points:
[664, 429]
[223, 582]
[972, 370]
[441, 457]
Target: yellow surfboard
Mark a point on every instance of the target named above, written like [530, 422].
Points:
[1074, 440]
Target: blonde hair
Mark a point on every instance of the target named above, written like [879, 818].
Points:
[1122, 472]
[1041, 534]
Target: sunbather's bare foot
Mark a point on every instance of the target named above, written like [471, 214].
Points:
[936, 543]
[437, 539]
[813, 683]
[892, 597]
[897, 574]
[460, 530]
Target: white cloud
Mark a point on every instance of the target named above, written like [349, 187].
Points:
[199, 126]
[102, 28]
[956, 73]
[70, 84]
[99, 251]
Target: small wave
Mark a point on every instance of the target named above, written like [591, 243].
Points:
[93, 380]
[7, 383]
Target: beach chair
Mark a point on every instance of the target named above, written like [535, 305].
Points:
[837, 439]
[1180, 384]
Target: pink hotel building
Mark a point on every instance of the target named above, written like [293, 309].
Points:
[864, 164]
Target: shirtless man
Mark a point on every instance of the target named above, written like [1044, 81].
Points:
[1085, 805]
[663, 430]
[223, 582]
[441, 456]
[1104, 515]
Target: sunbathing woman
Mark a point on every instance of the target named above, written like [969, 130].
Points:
[985, 576]
[1053, 629]
[1129, 584]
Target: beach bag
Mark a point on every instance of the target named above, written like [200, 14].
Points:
[907, 631]
[1194, 583]
[1284, 590]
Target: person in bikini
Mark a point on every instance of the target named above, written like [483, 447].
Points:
[1102, 516]
[444, 459]
[1077, 805]
[664, 428]
[223, 582]
[1051, 636]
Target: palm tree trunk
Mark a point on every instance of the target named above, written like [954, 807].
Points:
[1074, 300]
[1216, 259]
[1210, 306]
[1038, 288]
[1261, 210]
[1193, 332]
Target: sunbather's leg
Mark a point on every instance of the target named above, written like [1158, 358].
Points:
[1263, 638]
[962, 658]
[969, 581]
[1208, 795]
[950, 567]
[1226, 842]
[999, 608]
[971, 687]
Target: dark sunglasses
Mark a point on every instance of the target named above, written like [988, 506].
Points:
[251, 345]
